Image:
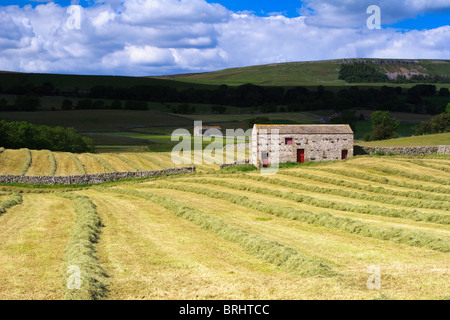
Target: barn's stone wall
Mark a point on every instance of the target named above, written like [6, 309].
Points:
[91, 178]
[318, 147]
[411, 151]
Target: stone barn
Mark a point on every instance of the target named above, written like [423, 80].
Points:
[301, 143]
[201, 131]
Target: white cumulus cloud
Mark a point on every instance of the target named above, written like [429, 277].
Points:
[153, 37]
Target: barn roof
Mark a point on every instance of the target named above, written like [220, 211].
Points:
[307, 129]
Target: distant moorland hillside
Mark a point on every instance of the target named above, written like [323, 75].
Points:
[328, 73]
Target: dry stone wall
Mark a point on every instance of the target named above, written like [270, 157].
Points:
[91, 178]
[411, 151]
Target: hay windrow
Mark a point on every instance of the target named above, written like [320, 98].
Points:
[81, 251]
[283, 256]
[52, 161]
[103, 162]
[129, 162]
[80, 167]
[411, 238]
[414, 215]
[13, 200]
[27, 162]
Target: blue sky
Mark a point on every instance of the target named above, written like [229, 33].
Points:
[149, 37]
[289, 8]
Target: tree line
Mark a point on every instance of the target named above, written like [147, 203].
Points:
[16, 135]
[423, 98]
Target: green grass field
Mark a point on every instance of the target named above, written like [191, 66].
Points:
[309, 232]
[426, 140]
[310, 73]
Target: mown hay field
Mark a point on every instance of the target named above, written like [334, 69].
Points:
[47, 163]
[308, 232]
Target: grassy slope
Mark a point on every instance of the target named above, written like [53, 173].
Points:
[426, 140]
[82, 82]
[293, 74]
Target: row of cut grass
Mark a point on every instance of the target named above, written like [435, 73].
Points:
[104, 163]
[129, 162]
[364, 175]
[401, 173]
[283, 256]
[420, 164]
[13, 200]
[81, 251]
[80, 167]
[411, 238]
[52, 161]
[366, 187]
[328, 204]
[347, 193]
[27, 162]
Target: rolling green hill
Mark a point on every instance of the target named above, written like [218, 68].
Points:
[315, 73]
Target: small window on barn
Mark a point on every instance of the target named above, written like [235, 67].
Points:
[288, 141]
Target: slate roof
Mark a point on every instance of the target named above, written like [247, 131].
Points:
[307, 129]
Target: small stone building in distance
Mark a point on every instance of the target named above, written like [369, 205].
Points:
[201, 131]
[301, 143]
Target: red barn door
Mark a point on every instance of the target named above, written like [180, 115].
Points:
[344, 154]
[301, 155]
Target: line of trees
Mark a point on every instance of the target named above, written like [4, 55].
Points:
[16, 135]
[419, 99]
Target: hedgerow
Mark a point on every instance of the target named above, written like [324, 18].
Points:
[13, 200]
[328, 204]
[105, 164]
[411, 238]
[27, 162]
[81, 251]
[52, 161]
[271, 251]
[80, 167]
